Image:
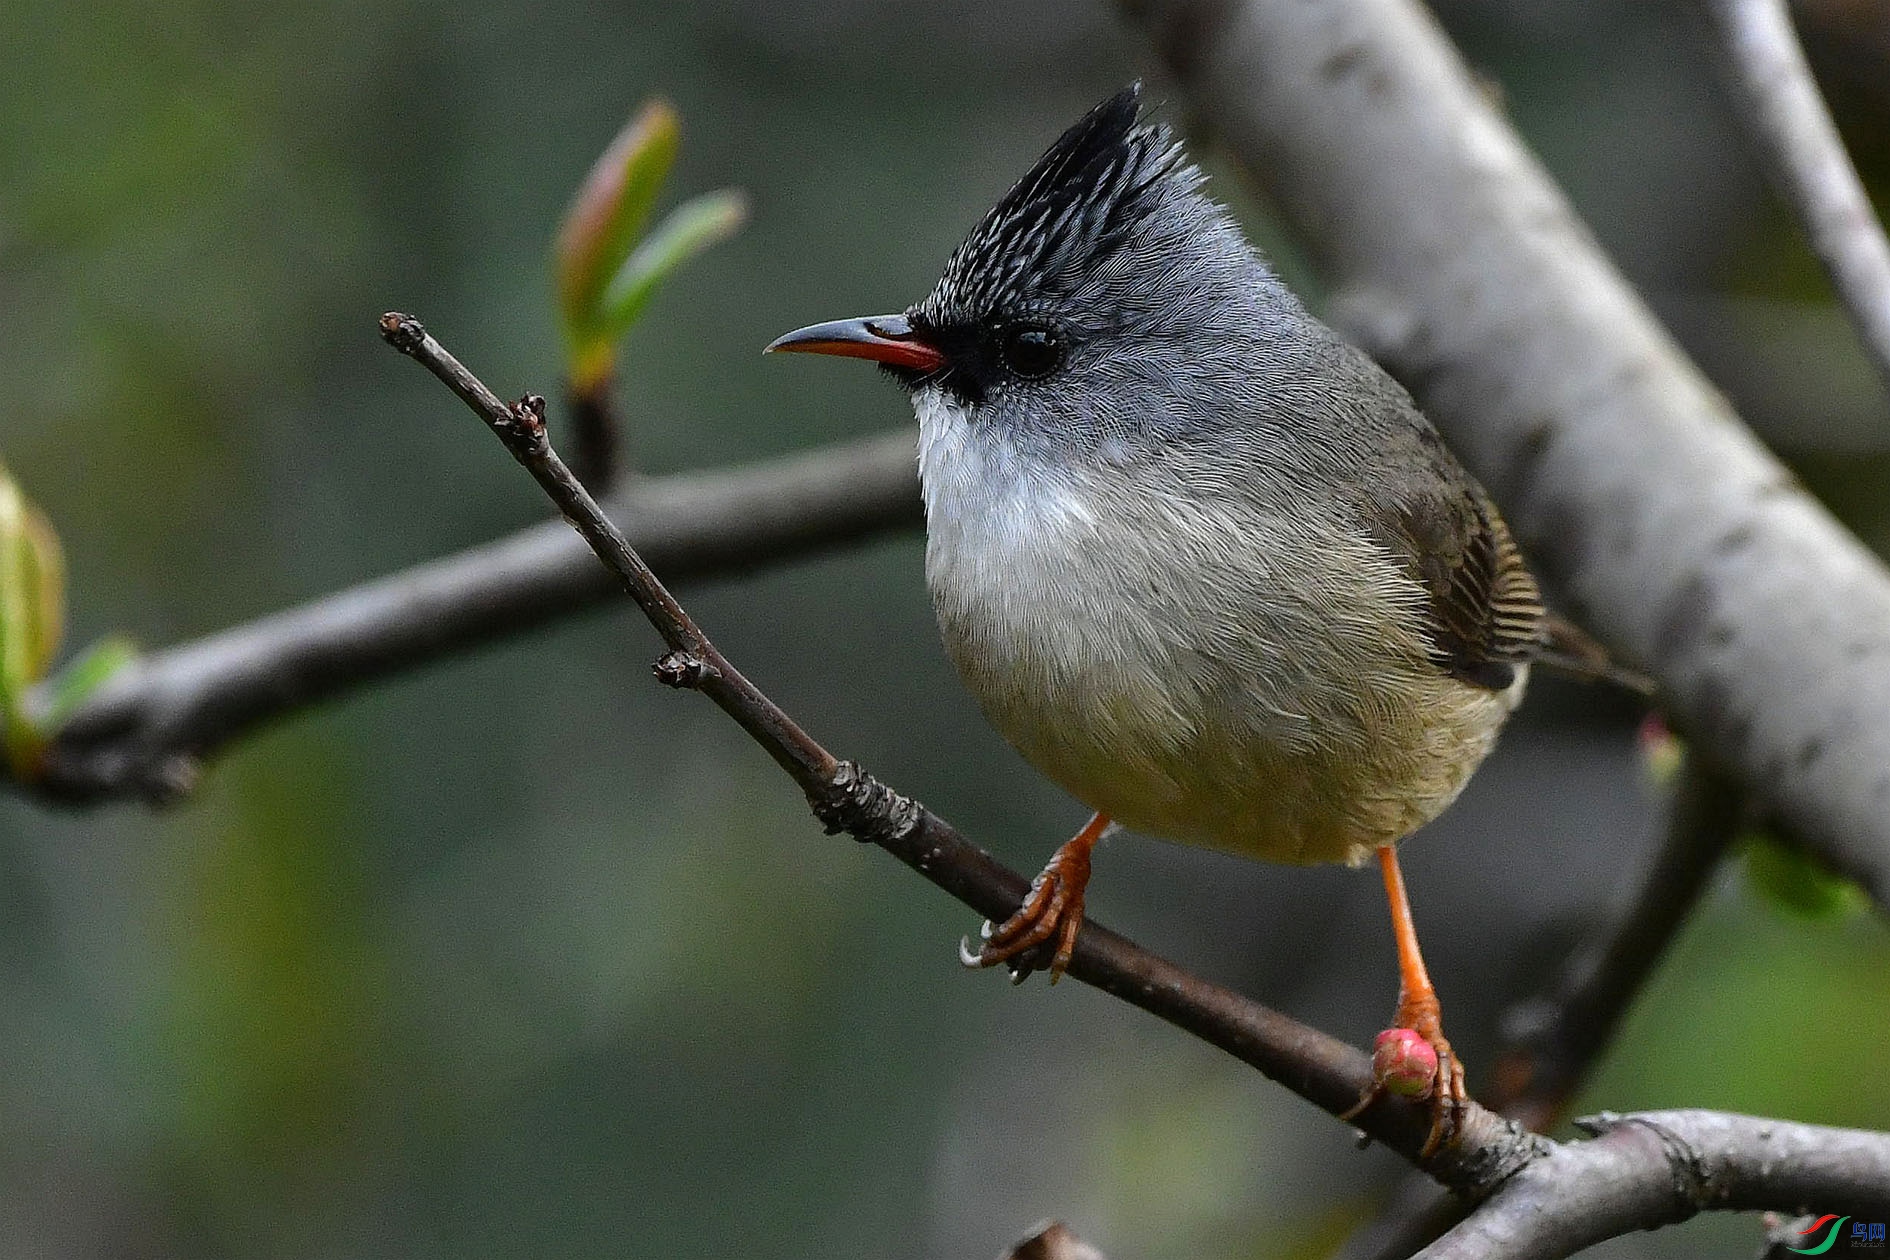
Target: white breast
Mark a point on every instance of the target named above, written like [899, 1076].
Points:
[1074, 674]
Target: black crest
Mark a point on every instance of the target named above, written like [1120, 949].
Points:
[1074, 207]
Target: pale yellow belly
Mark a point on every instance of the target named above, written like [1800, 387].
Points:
[1225, 785]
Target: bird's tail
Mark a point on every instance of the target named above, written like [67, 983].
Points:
[1568, 649]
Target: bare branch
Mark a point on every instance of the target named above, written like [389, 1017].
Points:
[1626, 1178]
[1748, 1162]
[1657, 515]
[1804, 155]
[1555, 1041]
[144, 733]
[1661, 1167]
[1326, 1072]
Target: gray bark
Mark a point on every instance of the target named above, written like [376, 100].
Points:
[1799, 144]
[1661, 1167]
[145, 731]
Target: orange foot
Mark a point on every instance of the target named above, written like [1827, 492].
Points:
[1393, 1073]
[1418, 1010]
[1053, 908]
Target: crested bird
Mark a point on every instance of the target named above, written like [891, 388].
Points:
[1203, 562]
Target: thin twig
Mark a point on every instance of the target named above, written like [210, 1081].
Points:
[1803, 153]
[146, 731]
[1762, 1163]
[1554, 1041]
[1326, 1072]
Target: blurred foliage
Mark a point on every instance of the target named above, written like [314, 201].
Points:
[32, 617]
[1756, 1013]
[1796, 882]
[606, 275]
[523, 955]
[83, 675]
[273, 1027]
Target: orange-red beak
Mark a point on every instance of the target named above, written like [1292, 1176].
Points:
[883, 338]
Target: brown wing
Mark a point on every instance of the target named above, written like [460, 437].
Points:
[1484, 614]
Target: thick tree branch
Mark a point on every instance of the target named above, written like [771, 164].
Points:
[1661, 1167]
[1326, 1072]
[1654, 511]
[1779, 102]
[145, 732]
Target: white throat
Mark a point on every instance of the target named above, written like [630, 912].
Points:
[997, 517]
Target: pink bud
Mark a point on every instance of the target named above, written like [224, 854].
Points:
[1661, 749]
[1403, 1063]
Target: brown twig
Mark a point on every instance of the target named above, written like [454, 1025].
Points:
[1803, 153]
[1490, 1156]
[1317, 1067]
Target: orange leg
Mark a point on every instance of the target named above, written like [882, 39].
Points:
[1418, 1010]
[1054, 907]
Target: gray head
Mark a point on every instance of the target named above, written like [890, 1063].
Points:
[1104, 300]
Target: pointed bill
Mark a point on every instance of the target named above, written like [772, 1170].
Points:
[882, 338]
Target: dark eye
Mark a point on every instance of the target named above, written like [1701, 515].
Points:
[1030, 350]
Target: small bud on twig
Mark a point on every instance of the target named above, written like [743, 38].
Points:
[683, 670]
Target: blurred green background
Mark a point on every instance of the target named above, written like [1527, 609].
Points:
[524, 955]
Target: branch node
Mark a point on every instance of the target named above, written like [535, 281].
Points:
[855, 802]
[683, 670]
[530, 412]
[1494, 1155]
[1692, 1177]
[523, 426]
[403, 332]
[1599, 1123]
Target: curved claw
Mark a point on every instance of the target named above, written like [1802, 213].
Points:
[968, 957]
[1052, 910]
